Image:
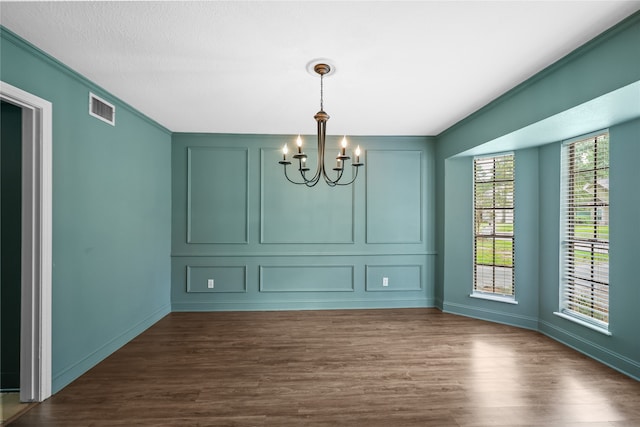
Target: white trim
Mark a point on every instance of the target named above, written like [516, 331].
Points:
[583, 323]
[35, 334]
[492, 297]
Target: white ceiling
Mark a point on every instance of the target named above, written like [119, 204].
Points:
[403, 68]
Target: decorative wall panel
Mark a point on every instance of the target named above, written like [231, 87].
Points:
[216, 279]
[217, 199]
[299, 214]
[307, 278]
[394, 196]
[398, 277]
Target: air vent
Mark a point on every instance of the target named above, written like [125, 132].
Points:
[101, 109]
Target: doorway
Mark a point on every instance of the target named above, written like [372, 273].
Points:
[34, 255]
[11, 244]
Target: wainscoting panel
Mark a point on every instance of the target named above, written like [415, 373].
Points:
[394, 196]
[217, 179]
[306, 278]
[225, 279]
[303, 282]
[398, 278]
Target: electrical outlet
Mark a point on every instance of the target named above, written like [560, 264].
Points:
[385, 281]
[210, 284]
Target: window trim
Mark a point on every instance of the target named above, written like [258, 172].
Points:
[509, 299]
[586, 324]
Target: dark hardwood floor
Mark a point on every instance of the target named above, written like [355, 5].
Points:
[397, 367]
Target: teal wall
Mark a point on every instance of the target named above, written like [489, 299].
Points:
[11, 219]
[269, 244]
[111, 214]
[595, 87]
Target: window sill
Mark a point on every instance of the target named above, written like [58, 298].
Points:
[498, 298]
[583, 323]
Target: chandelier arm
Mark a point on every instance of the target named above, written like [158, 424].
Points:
[322, 147]
[305, 182]
[353, 180]
[322, 134]
[309, 182]
[334, 182]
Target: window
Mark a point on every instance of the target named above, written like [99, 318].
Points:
[585, 245]
[493, 191]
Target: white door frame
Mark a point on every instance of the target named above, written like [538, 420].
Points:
[35, 327]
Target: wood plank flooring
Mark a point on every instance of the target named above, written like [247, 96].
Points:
[396, 367]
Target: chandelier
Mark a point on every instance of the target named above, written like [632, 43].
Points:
[321, 169]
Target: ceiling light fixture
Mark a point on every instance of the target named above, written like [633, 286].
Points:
[321, 117]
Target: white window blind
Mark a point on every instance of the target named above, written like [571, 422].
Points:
[493, 254]
[585, 282]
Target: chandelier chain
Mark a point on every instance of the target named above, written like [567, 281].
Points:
[321, 92]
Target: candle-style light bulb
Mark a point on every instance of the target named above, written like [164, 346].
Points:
[344, 145]
[299, 142]
[285, 150]
[358, 154]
